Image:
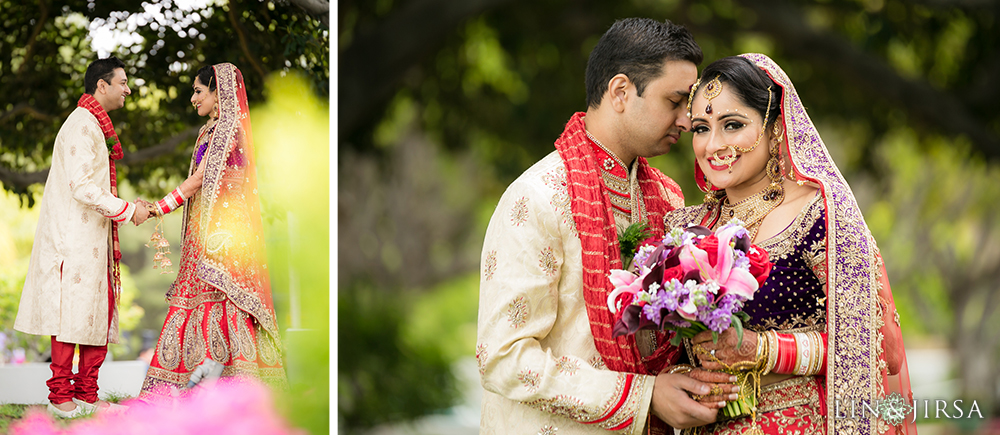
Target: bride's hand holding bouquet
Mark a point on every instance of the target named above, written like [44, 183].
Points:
[694, 282]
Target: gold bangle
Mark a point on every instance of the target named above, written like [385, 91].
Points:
[680, 368]
[772, 351]
[818, 351]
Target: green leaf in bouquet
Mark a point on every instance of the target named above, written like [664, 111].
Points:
[629, 239]
[675, 340]
[738, 324]
[743, 316]
[715, 337]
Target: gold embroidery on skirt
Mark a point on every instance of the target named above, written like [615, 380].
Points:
[216, 338]
[268, 351]
[169, 347]
[235, 344]
[194, 340]
[792, 405]
[247, 346]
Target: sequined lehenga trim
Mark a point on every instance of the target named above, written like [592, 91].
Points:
[791, 406]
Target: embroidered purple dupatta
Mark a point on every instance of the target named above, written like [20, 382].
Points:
[856, 367]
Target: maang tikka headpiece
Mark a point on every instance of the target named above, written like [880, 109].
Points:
[712, 90]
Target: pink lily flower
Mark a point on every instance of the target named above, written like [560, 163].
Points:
[730, 279]
[624, 282]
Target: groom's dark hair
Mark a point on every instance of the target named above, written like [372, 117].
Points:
[638, 48]
[101, 69]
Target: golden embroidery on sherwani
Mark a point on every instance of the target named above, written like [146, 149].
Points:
[548, 430]
[481, 356]
[567, 365]
[519, 214]
[597, 362]
[556, 180]
[574, 408]
[517, 312]
[530, 379]
[490, 265]
[194, 344]
[547, 261]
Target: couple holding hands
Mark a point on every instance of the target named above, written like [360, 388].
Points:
[220, 307]
[823, 322]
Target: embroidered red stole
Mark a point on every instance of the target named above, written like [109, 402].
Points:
[595, 223]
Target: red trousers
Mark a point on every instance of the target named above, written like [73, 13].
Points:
[84, 382]
[64, 384]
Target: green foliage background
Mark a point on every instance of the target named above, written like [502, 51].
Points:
[282, 48]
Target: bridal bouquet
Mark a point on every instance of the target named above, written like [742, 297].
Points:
[692, 280]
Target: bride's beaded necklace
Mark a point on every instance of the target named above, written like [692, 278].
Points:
[751, 210]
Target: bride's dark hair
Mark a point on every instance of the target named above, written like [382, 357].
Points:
[206, 75]
[748, 82]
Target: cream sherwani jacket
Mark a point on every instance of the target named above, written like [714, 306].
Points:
[66, 290]
[538, 363]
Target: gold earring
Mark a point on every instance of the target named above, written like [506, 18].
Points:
[774, 191]
[763, 126]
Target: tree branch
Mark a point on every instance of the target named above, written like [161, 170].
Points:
[243, 43]
[24, 107]
[163, 148]
[19, 181]
[372, 66]
[30, 52]
[318, 8]
[787, 23]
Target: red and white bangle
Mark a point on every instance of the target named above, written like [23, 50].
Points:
[786, 354]
[797, 353]
[170, 202]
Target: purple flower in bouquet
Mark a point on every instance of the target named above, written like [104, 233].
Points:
[692, 280]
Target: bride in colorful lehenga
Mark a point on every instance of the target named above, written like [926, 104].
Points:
[220, 303]
[823, 328]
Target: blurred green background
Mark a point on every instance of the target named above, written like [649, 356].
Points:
[442, 103]
[282, 49]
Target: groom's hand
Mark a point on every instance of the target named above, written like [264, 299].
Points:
[673, 404]
[141, 212]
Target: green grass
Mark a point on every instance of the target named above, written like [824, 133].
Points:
[11, 413]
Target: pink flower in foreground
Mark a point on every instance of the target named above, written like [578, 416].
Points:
[626, 286]
[730, 279]
[226, 408]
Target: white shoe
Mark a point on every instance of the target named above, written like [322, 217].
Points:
[56, 412]
[112, 408]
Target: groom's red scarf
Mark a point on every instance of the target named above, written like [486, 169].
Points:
[115, 152]
[595, 224]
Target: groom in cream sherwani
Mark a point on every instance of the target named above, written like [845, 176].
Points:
[73, 282]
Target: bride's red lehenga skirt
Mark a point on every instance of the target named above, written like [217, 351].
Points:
[792, 406]
[202, 322]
